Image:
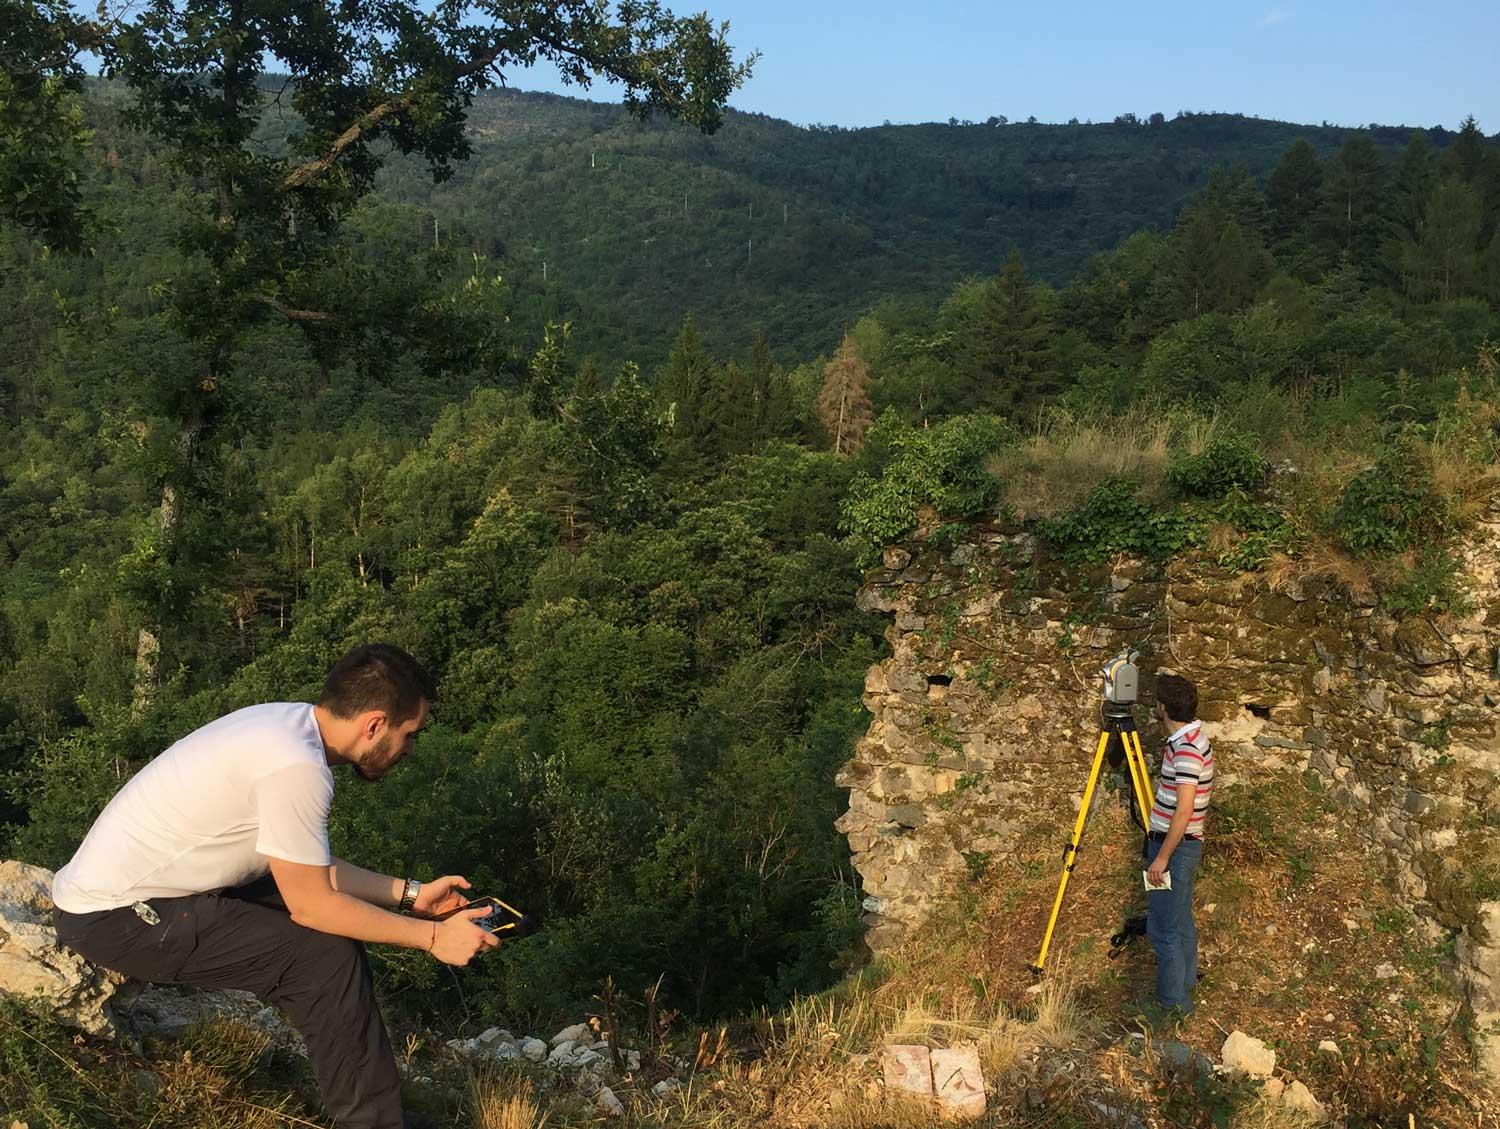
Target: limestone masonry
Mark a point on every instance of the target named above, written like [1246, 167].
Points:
[986, 713]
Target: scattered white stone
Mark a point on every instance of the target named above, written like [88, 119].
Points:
[958, 1081]
[666, 1086]
[578, 1033]
[1244, 1054]
[1328, 1018]
[1350, 924]
[494, 1035]
[534, 1049]
[1329, 1047]
[633, 1061]
[1273, 1088]
[601, 1045]
[1298, 1097]
[562, 1055]
[1385, 971]
[587, 1058]
[907, 1069]
[1208, 910]
[505, 1052]
[1270, 930]
[606, 1101]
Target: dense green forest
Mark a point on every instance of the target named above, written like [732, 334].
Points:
[796, 232]
[637, 580]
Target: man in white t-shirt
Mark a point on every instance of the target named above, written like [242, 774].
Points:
[211, 868]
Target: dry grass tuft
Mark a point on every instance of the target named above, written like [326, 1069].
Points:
[1060, 1018]
[1267, 1112]
[1321, 561]
[503, 1099]
[871, 1106]
[1069, 454]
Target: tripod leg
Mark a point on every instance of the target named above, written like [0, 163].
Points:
[1070, 853]
[1140, 774]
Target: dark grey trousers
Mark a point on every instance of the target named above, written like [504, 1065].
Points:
[245, 939]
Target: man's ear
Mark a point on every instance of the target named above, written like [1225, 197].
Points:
[371, 724]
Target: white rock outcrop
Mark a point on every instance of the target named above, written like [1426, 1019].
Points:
[34, 967]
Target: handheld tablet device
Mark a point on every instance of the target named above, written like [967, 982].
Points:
[504, 920]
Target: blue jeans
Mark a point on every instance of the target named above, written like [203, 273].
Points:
[1169, 924]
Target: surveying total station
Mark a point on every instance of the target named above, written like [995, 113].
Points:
[1121, 684]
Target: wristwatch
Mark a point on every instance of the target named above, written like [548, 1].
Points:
[409, 896]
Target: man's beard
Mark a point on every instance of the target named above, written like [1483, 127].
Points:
[380, 760]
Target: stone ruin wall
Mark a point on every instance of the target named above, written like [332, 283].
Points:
[986, 712]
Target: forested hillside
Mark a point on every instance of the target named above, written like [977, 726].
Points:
[796, 231]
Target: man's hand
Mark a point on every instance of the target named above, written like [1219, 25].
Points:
[440, 895]
[1156, 873]
[458, 939]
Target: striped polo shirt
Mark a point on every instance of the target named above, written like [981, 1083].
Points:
[1187, 758]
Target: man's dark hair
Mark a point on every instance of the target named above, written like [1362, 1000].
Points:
[377, 676]
[1178, 696]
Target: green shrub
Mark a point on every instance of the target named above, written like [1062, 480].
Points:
[1261, 531]
[1434, 583]
[1113, 519]
[940, 466]
[1393, 506]
[1227, 463]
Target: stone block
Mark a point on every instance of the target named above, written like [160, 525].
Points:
[907, 1069]
[958, 1082]
[907, 815]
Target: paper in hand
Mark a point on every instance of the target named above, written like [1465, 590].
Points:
[1166, 881]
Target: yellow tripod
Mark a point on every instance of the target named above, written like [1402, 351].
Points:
[1119, 721]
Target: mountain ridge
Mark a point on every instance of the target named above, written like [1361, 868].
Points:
[798, 230]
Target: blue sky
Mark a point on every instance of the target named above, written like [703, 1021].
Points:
[1346, 62]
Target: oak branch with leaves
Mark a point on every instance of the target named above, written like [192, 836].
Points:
[284, 111]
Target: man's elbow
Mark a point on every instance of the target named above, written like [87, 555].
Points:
[304, 916]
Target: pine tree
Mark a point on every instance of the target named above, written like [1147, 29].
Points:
[1231, 194]
[1489, 271]
[1443, 262]
[1014, 357]
[1238, 269]
[1195, 243]
[1465, 158]
[844, 406]
[1352, 194]
[1416, 173]
[1293, 192]
[740, 412]
[688, 390]
[1473, 160]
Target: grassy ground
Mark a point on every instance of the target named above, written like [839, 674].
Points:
[1296, 917]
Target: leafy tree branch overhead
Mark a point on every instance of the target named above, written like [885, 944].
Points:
[362, 79]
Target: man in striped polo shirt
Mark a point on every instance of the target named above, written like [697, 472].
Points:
[1174, 843]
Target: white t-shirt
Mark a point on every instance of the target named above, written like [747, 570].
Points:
[208, 813]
